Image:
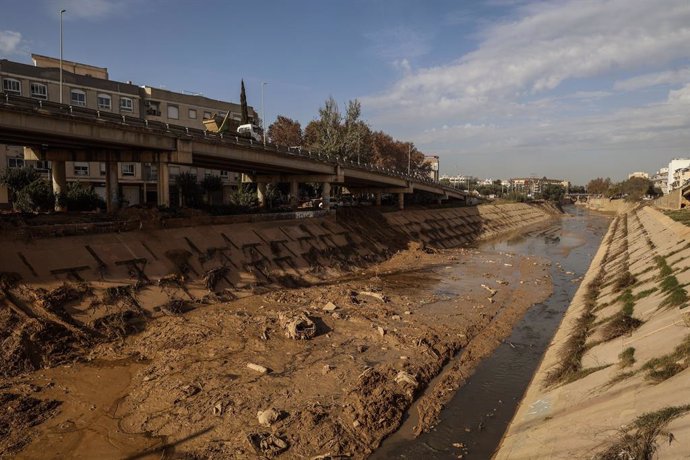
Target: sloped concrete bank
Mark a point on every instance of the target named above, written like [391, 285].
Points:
[614, 381]
[261, 254]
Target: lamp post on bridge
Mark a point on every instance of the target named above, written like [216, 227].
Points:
[61, 13]
[263, 113]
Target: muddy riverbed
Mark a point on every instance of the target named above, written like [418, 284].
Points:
[250, 378]
[476, 417]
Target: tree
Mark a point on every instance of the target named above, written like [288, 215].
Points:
[243, 105]
[598, 186]
[211, 185]
[356, 134]
[82, 197]
[325, 134]
[577, 189]
[37, 196]
[188, 187]
[636, 187]
[15, 179]
[552, 192]
[285, 131]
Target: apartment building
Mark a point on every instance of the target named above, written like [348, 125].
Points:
[89, 86]
[534, 185]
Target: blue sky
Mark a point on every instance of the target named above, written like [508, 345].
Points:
[496, 88]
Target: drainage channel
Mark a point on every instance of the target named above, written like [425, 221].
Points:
[475, 419]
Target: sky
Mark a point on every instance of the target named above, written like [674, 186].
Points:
[570, 89]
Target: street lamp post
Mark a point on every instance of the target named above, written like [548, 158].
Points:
[263, 113]
[61, 13]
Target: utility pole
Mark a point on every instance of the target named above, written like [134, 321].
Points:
[263, 113]
[61, 13]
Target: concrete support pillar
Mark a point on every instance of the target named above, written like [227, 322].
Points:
[326, 195]
[440, 200]
[378, 198]
[261, 194]
[59, 176]
[401, 201]
[144, 200]
[294, 194]
[163, 185]
[112, 186]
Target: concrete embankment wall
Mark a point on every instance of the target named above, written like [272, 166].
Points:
[634, 356]
[672, 200]
[609, 205]
[279, 253]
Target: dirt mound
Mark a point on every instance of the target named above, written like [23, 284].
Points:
[17, 415]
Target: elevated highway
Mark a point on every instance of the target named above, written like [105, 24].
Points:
[60, 133]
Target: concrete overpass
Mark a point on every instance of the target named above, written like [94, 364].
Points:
[60, 133]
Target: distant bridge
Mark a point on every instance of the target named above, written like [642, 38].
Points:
[60, 133]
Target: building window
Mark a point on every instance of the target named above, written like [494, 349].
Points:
[207, 115]
[101, 169]
[193, 171]
[15, 162]
[224, 174]
[39, 91]
[42, 165]
[173, 112]
[12, 86]
[104, 102]
[235, 116]
[153, 108]
[128, 169]
[126, 104]
[81, 168]
[192, 114]
[174, 170]
[78, 97]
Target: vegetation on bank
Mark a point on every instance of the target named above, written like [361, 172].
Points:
[30, 192]
[639, 439]
[680, 215]
[633, 189]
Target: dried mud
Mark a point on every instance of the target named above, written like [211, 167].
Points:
[162, 369]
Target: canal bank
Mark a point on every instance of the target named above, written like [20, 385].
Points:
[614, 382]
[474, 420]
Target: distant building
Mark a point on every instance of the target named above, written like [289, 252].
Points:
[673, 166]
[640, 174]
[432, 160]
[88, 86]
[534, 185]
[660, 179]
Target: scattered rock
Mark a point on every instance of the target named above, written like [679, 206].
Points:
[297, 326]
[257, 368]
[403, 377]
[375, 295]
[269, 416]
[362, 348]
[326, 369]
[381, 331]
[267, 444]
[330, 306]
[492, 292]
[502, 282]
[408, 312]
[395, 317]
[218, 409]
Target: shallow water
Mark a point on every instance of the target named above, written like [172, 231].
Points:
[479, 413]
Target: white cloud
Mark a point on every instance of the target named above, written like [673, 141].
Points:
[10, 42]
[668, 77]
[399, 42]
[545, 45]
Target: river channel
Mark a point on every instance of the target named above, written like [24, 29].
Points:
[473, 422]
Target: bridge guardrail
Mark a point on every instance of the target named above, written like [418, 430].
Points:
[178, 130]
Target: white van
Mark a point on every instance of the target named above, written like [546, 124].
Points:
[251, 131]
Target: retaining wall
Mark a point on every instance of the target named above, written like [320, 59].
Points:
[281, 253]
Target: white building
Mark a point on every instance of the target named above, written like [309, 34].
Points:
[640, 174]
[673, 166]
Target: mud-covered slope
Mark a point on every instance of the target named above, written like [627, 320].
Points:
[614, 383]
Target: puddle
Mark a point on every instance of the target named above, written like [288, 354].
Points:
[478, 414]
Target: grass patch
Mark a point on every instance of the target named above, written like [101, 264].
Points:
[620, 377]
[638, 440]
[582, 373]
[627, 357]
[624, 281]
[645, 293]
[664, 268]
[665, 367]
[620, 324]
[680, 215]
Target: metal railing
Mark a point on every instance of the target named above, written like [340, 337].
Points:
[158, 127]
